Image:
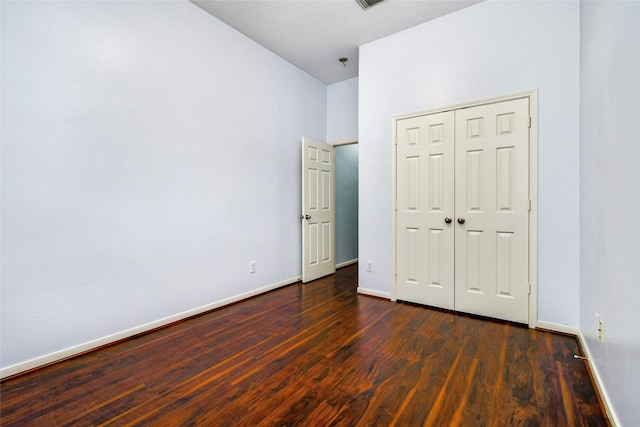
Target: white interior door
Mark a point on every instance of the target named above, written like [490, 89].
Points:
[462, 210]
[425, 208]
[318, 209]
[492, 210]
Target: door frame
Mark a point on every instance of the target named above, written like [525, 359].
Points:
[532, 96]
[336, 145]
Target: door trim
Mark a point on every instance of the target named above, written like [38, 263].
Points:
[345, 142]
[533, 189]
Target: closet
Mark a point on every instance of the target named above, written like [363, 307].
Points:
[463, 209]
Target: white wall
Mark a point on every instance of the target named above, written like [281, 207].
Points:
[342, 125]
[149, 153]
[342, 111]
[490, 49]
[610, 198]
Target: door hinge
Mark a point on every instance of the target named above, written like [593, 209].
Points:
[529, 122]
[529, 288]
[529, 205]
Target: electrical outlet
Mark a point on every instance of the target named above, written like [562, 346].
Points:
[369, 266]
[252, 267]
[600, 327]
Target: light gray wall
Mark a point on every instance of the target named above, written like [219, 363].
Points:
[149, 153]
[342, 125]
[610, 198]
[490, 49]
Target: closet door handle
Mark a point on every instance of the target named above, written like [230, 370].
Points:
[461, 220]
[448, 220]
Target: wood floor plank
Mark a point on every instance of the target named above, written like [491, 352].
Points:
[314, 355]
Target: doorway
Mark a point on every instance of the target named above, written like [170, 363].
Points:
[346, 203]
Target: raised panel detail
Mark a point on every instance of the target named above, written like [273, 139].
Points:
[312, 190]
[436, 182]
[504, 124]
[436, 134]
[312, 154]
[505, 176]
[475, 180]
[326, 157]
[326, 190]
[504, 263]
[412, 251]
[412, 186]
[413, 137]
[474, 240]
[475, 128]
[314, 232]
[326, 242]
[435, 257]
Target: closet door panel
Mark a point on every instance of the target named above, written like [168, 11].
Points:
[492, 205]
[424, 192]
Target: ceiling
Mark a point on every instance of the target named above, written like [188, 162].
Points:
[314, 34]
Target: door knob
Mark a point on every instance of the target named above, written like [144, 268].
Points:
[460, 220]
[307, 216]
[447, 220]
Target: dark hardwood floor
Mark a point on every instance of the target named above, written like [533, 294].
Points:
[314, 355]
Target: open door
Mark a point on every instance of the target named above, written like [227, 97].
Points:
[318, 209]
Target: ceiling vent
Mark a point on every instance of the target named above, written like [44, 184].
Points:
[366, 4]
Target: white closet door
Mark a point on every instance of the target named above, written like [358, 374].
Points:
[425, 252]
[492, 210]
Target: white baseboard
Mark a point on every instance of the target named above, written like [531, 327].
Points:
[598, 382]
[88, 346]
[557, 327]
[374, 293]
[346, 263]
